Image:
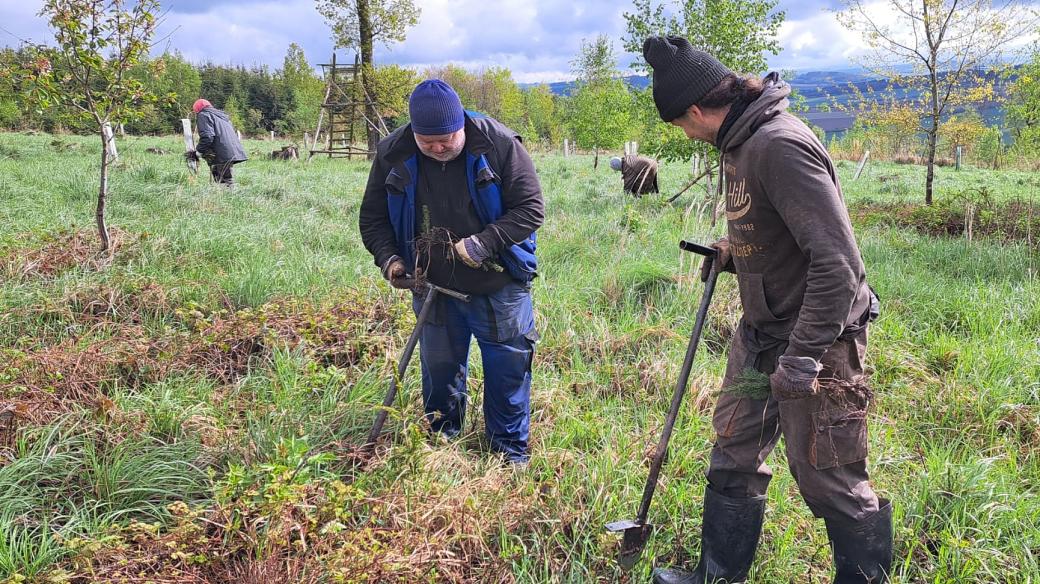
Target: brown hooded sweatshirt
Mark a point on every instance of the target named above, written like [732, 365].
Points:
[799, 270]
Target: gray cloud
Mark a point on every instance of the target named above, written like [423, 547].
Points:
[248, 34]
[816, 41]
[529, 37]
[535, 39]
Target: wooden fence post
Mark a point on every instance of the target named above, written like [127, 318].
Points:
[862, 163]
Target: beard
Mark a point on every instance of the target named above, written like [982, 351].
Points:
[456, 145]
[447, 155]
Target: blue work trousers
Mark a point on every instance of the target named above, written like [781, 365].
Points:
[503, 323]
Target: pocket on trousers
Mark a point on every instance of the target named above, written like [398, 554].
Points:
[796, 425]
[532, 338]
[511, 312]
[839, 437]
[844, 359]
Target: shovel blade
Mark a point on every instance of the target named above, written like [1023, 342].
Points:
[633, 539]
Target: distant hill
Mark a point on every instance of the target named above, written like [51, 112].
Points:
[824, 90]
[825, 97]
[828, 78]
[566, 87]
[808, 79]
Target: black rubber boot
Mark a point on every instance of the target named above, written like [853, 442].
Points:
[729, 537]
[862, 549]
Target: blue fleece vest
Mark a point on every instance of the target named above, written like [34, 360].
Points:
[518, 259]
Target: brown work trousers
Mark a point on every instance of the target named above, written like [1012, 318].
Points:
[825, 434]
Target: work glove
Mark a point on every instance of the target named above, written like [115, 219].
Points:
[394, 272]
[191, 156]
[471, 251]
[723, 260]
[795, 377]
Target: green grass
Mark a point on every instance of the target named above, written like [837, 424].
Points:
[955, 433]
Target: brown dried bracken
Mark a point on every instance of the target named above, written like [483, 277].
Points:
[62, 252]
[115, 348]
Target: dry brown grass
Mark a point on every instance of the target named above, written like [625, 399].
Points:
[63, 251]
[334, 532]
[1014, 221]
[114, 348]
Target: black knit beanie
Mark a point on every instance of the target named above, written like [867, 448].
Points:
[682, 74]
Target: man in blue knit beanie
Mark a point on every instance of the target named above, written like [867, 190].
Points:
[453, 198]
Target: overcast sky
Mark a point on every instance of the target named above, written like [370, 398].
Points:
[536, 39]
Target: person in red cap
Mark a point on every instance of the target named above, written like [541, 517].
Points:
[218, 143]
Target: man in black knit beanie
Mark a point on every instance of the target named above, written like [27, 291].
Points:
[806, 308]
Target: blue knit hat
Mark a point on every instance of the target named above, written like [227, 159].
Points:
[435, 109]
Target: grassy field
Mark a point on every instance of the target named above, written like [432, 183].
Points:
[188, 410]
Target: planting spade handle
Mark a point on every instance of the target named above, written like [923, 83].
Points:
[680, 387]
[449, 292]
[432, 291]
[697, 248]
[402, 364]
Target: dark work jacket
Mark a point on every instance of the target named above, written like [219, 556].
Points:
[218, 141]
[441, 208]
[500, 181]
[798, 266]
